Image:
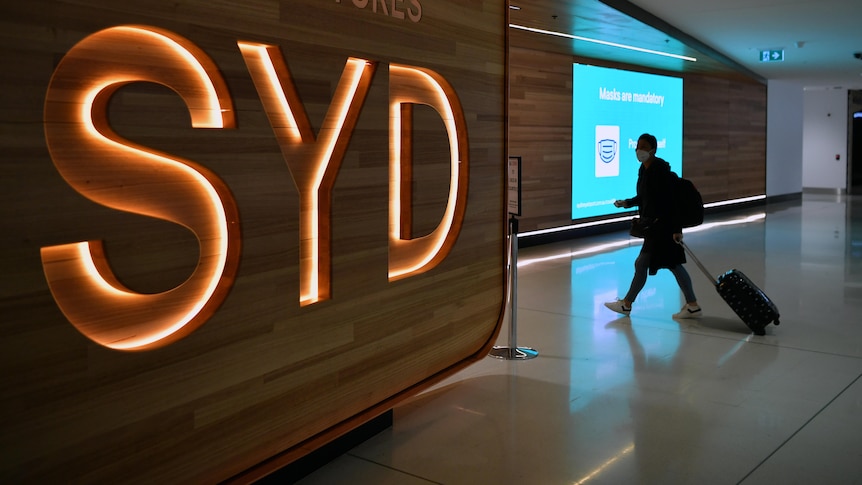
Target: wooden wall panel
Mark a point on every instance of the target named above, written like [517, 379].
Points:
[263, 376]
[724, 133]
[540, 132]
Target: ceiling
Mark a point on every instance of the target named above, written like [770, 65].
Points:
[819, 38]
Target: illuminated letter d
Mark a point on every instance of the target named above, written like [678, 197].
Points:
[409, 86]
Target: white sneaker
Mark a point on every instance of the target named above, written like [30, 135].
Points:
[689, 311]
[619, 306]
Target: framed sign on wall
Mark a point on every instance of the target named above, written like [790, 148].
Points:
[514, 186]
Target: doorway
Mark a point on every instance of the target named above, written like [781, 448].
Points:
[854, 138]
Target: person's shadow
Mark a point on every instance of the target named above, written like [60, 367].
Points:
[666, 426]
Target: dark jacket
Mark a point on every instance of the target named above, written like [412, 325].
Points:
[656, 202]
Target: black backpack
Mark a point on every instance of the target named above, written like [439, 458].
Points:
[689, 203]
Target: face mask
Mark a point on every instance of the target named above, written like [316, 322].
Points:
[642, 155]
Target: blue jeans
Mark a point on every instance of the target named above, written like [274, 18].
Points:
[640, 277]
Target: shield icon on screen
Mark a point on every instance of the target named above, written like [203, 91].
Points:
[607, 151]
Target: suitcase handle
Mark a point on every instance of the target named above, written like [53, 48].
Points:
[700, 265]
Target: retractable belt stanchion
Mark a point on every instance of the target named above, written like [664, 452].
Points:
[513, 352]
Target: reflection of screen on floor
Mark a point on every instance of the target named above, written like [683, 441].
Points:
[611, 108]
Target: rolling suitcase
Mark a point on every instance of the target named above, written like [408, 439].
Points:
[744, 297]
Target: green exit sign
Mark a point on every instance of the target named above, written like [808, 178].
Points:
[772, 56]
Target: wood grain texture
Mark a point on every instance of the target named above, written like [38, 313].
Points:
[724, 132]
[263, 376]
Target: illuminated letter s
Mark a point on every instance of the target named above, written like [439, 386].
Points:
[119, 174]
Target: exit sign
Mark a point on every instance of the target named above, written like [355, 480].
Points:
[772, 56]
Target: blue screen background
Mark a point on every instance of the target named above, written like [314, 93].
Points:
[634, 103]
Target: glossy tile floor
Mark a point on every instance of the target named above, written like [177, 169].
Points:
[647, 399]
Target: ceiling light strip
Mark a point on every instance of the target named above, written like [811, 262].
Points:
[603, 42]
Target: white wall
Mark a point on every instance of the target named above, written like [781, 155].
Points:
[784, 134]
[824, 135]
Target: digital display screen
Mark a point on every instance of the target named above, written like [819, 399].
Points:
[611, 108]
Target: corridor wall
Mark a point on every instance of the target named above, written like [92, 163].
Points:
[724, 132]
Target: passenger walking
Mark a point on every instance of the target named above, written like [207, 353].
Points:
[661, 248]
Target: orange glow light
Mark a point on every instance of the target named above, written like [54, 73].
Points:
[313, 163]
[117, 173]
[414, 85]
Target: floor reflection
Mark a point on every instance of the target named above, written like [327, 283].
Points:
[647, 399]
